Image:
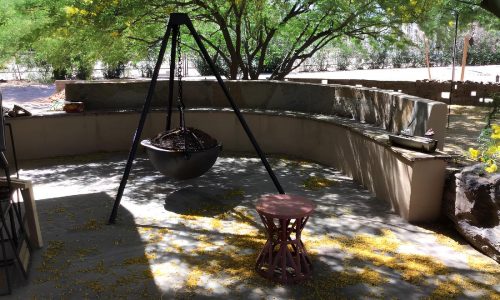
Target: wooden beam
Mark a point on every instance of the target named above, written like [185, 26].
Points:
[32, 224]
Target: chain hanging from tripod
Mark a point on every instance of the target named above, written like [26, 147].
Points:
[180, 102]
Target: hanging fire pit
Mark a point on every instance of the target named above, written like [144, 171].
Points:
[182, 153]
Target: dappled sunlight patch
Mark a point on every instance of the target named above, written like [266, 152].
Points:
[216, 224]
[381, 251]
[291, 163]
[414, 268]
[205, 245]
[458, 285]
[449, 242]
[140, 260]
[243, 217]
[371, 277]
[231, 263]
[317, 182]
[190, 217]
[488, 267]
[153, 235]
[446, 290]
[193, 278]
[484, 264]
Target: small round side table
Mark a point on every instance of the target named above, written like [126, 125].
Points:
[284, 258]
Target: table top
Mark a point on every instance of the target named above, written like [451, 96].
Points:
[284, 206]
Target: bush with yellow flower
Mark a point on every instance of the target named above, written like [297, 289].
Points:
[488, 151]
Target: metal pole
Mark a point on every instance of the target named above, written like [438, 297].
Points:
[140, 127]
[453, 69]
[233, 105]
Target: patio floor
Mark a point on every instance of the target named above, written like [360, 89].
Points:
[200, 238]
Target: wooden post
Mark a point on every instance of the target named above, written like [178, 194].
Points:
[464, 56]
[427, 61]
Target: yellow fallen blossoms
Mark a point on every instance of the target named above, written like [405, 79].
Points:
[489, 148]
[496, 132]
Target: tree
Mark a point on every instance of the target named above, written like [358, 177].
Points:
[244, 32]
[247, 37]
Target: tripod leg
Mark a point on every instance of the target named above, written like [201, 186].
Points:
[244, 124]
[140, 127]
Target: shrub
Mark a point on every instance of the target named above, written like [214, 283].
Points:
[114, 71]
[202, 66]
[60, 74]
[488, 150]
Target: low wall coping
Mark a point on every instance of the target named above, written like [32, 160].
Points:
[376, 134]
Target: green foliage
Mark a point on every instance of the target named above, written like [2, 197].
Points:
[248, 37]
[114, 71]
[486, 50]
[59, 74]
[204, 69]
[273, 60]
[488, 142]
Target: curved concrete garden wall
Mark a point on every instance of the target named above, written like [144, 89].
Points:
[388, 110]
[463, 93]
[411, 181]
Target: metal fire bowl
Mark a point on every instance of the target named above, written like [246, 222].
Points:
[181, 165]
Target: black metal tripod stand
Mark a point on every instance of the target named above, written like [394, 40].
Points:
[173, 26]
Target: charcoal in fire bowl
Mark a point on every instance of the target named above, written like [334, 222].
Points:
[418, 143]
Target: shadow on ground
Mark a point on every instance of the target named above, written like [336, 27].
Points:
[84, 258]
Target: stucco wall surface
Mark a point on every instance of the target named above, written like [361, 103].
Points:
[412, 182]
[389, 110]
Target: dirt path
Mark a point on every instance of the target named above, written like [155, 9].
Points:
[36, 98]
[466, 123]
[472, 73]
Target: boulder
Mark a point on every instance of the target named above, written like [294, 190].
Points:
[474, 208]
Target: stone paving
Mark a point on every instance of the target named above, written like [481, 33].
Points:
[198, 239]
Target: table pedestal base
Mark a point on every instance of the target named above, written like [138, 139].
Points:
[284, 258]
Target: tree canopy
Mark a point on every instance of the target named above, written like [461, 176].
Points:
[244, 36]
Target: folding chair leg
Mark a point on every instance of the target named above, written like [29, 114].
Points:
[5, 263]
[14, 248]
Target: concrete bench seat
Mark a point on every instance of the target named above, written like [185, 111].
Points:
[411, 181]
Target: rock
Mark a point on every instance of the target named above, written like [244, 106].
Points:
[475, 208]
[486, 240]
[477, 198]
